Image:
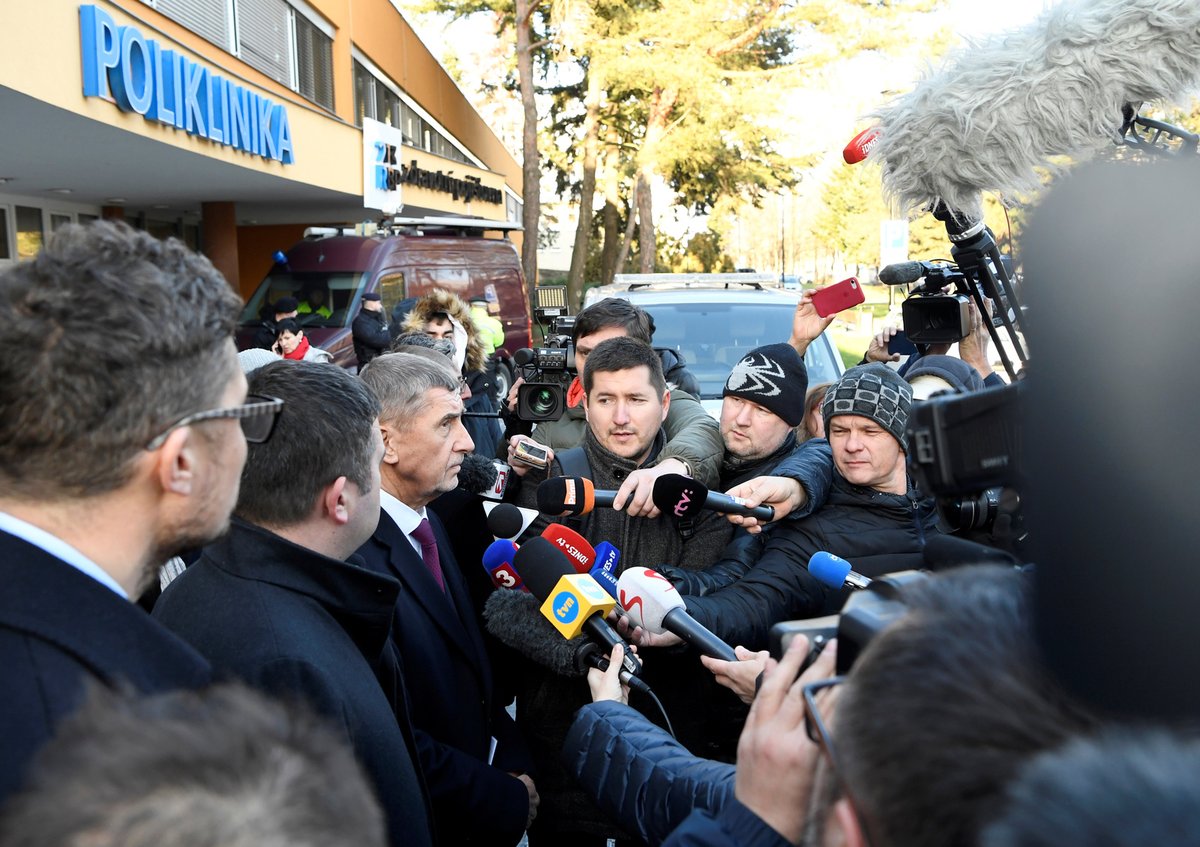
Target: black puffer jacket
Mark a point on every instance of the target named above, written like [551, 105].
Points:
[876, 532]
[810, 463]
[676, 372]
[640, 776]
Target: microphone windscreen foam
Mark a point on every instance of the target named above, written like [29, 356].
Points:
[829, 569]
[566, 495]
[679, 496]
[571, 544]
[541, 565]
[476, 474]
[505, 521]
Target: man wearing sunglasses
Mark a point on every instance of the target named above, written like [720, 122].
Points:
[281, 602]
[120, 445]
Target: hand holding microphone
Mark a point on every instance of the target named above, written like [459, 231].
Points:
[653, 604]
[685, 498]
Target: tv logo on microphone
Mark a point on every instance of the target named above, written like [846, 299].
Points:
[566, 608]
[685, 499]
[572, 551]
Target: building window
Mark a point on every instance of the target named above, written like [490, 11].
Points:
[30, 234]
[375, 99]
[277, 37]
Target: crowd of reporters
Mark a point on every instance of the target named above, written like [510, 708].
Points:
[347, 584]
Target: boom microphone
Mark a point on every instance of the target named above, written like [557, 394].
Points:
[653, 603]
[543, 568]
[995, 113]
[684, 498]
[835, 571]
[571, 495]
[904, 273]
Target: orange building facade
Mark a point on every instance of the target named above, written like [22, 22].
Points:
[233, 124]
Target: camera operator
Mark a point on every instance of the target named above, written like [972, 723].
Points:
[974, 350]
[914, 746]
[693, 441]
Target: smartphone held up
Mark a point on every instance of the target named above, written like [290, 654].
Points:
[838, 297]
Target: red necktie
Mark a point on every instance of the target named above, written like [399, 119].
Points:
[429, 551]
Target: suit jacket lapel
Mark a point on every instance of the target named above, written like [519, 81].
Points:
[408, 567]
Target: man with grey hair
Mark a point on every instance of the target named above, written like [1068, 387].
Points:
[222, 766]
[276, 601]
[123, 428]
[475, 761]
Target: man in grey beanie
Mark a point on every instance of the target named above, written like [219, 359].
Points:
[873, 517]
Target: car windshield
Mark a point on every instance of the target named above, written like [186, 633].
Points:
[712, 337]
[325, 299]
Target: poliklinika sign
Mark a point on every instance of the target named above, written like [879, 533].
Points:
[164, 86]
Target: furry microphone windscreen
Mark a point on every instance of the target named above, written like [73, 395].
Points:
[514, 619]
[1000, 109]
[477, 474]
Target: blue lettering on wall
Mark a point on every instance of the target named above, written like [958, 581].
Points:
[137, 74]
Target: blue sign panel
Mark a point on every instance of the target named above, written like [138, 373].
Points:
[164, 86]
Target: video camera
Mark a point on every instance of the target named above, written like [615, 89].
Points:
[865, 615]
[547, 370]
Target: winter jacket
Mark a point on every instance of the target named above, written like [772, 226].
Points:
[439, 300]
[546, 701]
[692, 436]
[654, 788]
[877, 532]
[371, 335]
[299, 625]
[810, 463]
[675, 371]
[639, 775]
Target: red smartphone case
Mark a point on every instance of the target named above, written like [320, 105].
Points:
[838, 297]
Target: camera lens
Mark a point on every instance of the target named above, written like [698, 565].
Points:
[542, 402]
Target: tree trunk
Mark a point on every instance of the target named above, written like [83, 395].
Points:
[531, 166]
[623, 253]
[587, 191]
[612, 214]
[661, 105]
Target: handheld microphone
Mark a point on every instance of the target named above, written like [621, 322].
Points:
[835, 572]
[571, 544]
[571, 495]
[482, 476]
[543, 568]
[860, 146]
[684, 498]
[498, 562]
[994, 114]
[654, 604]
[590, 655]
[508, 521]
[605, 569]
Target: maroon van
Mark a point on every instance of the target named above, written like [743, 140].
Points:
[416, 255]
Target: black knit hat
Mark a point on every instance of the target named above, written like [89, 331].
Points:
[774, 377]
[872, 391]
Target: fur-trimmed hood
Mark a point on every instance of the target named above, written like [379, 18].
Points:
[440, 300]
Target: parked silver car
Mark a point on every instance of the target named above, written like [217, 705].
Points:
[712, 320]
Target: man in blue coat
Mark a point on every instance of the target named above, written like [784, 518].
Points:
[280, 603]
[120, 445]
[475, 760]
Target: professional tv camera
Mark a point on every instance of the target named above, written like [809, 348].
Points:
[547, 370]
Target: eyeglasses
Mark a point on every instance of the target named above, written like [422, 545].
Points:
[257, 416]
[818, 733]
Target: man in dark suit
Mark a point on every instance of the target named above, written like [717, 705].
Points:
[474, 758]
[276, 603]
[120, 445]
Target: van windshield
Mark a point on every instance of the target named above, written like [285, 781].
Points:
[326, 299]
